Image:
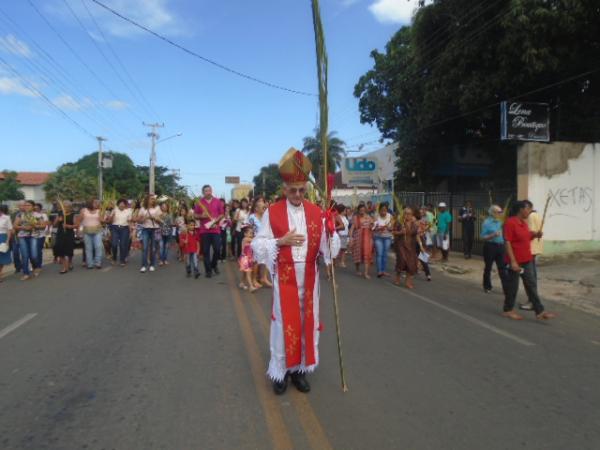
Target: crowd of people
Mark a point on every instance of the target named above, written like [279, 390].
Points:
[210, 230]
[213, 230]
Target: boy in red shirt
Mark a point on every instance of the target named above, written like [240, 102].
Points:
[189, 246]
[517, 237]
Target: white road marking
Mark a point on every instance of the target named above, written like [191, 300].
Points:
[12, 327]
[595, 342]
[106, 269]
[473, 320]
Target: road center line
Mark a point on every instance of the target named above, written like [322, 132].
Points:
[306, 414]
[12, 327]
[273, 414]
[472, 319]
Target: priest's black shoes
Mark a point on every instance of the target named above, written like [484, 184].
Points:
[299, 380]
[280, 386]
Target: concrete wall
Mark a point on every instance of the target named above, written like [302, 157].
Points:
[569, 174]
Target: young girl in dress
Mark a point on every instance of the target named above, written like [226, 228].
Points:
[246, 261]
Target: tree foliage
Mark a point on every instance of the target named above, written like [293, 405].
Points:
[9, 187]
[79, 180]
[70, 182]
[267, 181]
[438, 84]
[335, 152]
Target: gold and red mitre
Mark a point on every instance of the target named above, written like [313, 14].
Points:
[294, 167]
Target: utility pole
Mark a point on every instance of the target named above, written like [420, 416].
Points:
[100, 140]
[154, 136]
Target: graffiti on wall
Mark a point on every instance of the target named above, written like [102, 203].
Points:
[571, 201]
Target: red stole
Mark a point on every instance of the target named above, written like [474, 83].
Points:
[288, 286]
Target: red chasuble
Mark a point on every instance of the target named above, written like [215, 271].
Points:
[288, 286]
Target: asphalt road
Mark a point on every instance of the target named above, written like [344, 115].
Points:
[114, 359]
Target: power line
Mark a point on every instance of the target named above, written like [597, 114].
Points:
[533, 91]
[40, 94]
[120, 62]
[97, 46]
[79, 58]
[203, 58]
[57, 76]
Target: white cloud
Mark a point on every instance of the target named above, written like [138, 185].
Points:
[9, 85]
[117, 105]
[71, 104]
[10, 44]
[157, 15]
[393, 11]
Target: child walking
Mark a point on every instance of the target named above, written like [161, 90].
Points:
[246, 260]
[189, 244]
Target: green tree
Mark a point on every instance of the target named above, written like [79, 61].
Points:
[70, 182]
[9, 187]
[335, 152]
[438, 84]
[123, 177]
[166, 182]
[267, 181]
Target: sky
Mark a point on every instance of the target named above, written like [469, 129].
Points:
[74, 71]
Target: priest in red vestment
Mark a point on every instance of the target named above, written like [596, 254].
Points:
[291, 239]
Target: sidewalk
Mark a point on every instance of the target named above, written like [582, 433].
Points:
[572, 280]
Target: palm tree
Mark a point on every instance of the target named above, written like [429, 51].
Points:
[335, 152]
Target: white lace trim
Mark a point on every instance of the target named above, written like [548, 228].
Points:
[277, 370]
[266, 252]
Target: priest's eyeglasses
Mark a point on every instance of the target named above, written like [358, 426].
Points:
[294, 190]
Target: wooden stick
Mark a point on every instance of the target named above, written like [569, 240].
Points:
[322, 64]
[548, 198]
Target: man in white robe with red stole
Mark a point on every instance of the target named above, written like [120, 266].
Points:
[291, 239]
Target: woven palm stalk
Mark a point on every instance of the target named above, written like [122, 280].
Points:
[323, 129]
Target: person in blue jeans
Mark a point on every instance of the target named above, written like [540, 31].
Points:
[89, 217]
[382, 236]
[24, 226]
[120, 220]
[40, 232]
[150, 217]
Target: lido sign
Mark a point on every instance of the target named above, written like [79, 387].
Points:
[360, 171]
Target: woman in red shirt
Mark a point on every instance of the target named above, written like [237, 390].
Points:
[517, 237]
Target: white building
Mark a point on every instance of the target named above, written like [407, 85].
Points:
[32, 186]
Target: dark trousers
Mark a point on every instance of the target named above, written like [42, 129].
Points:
[492, 253]
[423, 263]
[16, 253]
[40, 251]
[238, 237]
[468, 235]
[511, 287]
[211, 240]
[223, 251]
[120, 242]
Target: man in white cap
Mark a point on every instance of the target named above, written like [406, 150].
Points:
[444, 220]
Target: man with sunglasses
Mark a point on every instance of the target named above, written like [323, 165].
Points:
[292, 236]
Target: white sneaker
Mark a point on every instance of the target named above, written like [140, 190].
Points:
[143, 270]
[152, 269]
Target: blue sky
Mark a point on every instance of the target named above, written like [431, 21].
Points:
[230, 126]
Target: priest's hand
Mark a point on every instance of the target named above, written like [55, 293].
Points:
[291, 239]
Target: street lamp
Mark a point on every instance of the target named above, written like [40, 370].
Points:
[170, 137]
